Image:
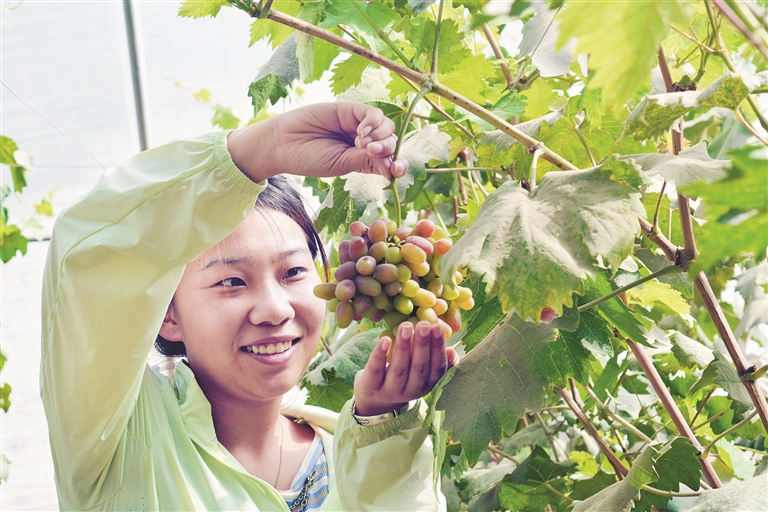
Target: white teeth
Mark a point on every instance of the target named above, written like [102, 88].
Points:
[272, 348]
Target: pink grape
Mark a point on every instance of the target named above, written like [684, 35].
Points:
[367, 285]
[345, 290]
[344, 314]
[346, 271]
[385, 273]
[378, 231]
[424, 228]
[344, 251]
[366, 265]
[358, 248]
[358, 228]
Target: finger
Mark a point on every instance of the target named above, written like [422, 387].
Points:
[453, 357]
[384, 130]
[399, 364]
[421, 353]
[376, 367]
[380, 165]
[372, 121]
[385, 147]
[399, 167]
[439, 359]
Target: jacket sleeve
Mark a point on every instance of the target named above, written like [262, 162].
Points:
[113, 265]
[388, 466]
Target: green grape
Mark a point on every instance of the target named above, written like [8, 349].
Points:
[333, 304]
[392, 255]
[378, 250]
[381, 301]
[325, 291]
[403, 304]
[410, 288]
[435, 286]
[391, 227]
[394, 318]
[428, 314]
[424, 298]
[403, 273]
[365, 265]
[413, 254]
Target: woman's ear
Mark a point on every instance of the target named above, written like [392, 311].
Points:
[170, 329]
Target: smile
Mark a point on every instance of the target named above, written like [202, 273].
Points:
[271, 348]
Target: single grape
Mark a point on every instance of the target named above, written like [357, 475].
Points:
[447, 331]
[410, 288]
[385, 273]
[378, 231]
[466, 305]
[346, 271]
[387, 333]
[378, 250]
[439, 233]
[421, 243]
[424, 228]
[344, 251]
[402, 233]
[366, 265]
[443, 245]
[345, 290]
[435, 286]
[381, 301]
[394, 318]
[393, 288]
[403, 304]
[367, 285]
[325, 291]
[361, 303]
[358, 228]
[368, 313]
[428, 314]
[333, 304]
[450, 293]
[424, 298]
[403, 273]
[418, 269]
[413, 254]
[391, 227]
[378, 316]
[440, 307]
[344, 314]
[453, 318]
[464, 294]
[358, 248]
[392, 255]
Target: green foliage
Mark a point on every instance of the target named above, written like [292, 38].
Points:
[201, 8]
[542, 245]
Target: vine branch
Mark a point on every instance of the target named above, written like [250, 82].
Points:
[670, 269]
[499, 56]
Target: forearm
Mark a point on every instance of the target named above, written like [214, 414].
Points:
[254, 149]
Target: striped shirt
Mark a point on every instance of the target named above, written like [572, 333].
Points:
[310, 486]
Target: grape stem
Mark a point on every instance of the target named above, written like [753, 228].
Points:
[425, 88]
[661, 272]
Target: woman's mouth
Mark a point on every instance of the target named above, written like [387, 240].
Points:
[269, 348]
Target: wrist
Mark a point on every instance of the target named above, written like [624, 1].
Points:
[380, 414]
[253, 151]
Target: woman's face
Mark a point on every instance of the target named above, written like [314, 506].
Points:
[246, 311]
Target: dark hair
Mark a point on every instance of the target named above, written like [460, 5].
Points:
[280, 196]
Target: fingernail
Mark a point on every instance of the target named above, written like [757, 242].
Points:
[400, 168]
[424, 329]
[384, 344]
[358, 143]
[406, 329]
[375, 147]
[365, 131]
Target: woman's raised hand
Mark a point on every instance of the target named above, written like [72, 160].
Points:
[322, 140]
[419, 360]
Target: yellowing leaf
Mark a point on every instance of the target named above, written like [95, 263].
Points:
[621, 38]
[655, 294]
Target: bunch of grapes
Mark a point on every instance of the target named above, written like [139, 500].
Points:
[390, 274]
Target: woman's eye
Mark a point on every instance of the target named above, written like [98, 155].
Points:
[295, 272]
[231, 282]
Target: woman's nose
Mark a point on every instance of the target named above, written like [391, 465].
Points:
[273, 307]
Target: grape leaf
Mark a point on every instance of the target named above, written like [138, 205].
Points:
[7, 149]
[12, 241]
[563, 358]
[467, 78]
[736, 209]
[348, 73]
[419, 6]
[755, 312]
[691, 165]
[332, 395]
[337, 211]
[722, 372]
[613, 310]
[622, 40]
[689, 352]
[533, 250]
[752, 278]
[530, 435]
[654, 294]
[539, 38]
[364, 189]
[346, 360]
[201, 8]
[484, 318]
[621, 496]
[224, 118]
[494, 385]
[528, 487]
[5, 397]
[268, 88]
[593, 333]
[677, 464]
[656, 112]
[275, 32]
[735, 496]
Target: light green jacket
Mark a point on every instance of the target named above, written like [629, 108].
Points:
[125, 437]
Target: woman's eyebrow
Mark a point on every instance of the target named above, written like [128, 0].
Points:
[245, 261]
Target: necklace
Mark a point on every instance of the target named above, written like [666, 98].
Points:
[280, 463]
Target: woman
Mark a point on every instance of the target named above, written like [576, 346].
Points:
[177, 225]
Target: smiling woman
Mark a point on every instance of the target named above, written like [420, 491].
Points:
[170, 244]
